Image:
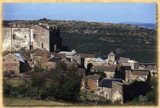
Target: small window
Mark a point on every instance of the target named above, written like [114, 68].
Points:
[24, 36]
[34, 36]
[4, 68]
[14, 36]
[3, 59]
[14, 68]
[42, 45]
[14, 59]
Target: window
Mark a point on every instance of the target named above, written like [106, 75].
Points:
[3, 59]
[14, 68]
[34, 36]
[24, 36]
[42, 45]
[4, 68]
[14, 36]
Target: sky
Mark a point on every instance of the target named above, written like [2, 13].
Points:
[92, 12]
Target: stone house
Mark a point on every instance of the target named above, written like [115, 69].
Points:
[15, 62]
[87, 58]
[123, 61]
[140, 75]
[40, 57]
[46, 37]
[108, 70]
[111, 89]
[31, 37]
[91, 82]
[117, 92]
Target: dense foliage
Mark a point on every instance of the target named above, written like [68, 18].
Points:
[61, 83]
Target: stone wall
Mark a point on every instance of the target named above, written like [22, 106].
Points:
[91, 84]
[16, 38]
[117, 92]
[20, 38]
[6, 39]
[40, 37]
[10, 63]
[37, 36]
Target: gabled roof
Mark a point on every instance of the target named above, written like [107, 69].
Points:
[123, 60]
[140, 72]
[67, 53]
[19, 57]
[99, 59]
[39, 52]
[57, 55]
[93, 77]
[108, 82]
[87, 55]
[42, 26]
[111, 54]
[16, 56]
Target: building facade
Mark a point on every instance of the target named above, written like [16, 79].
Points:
[33, 37]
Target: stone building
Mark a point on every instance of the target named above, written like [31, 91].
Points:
[111, 89]
[108, 70]
[92, 82]
[31, 37]
[111, 58]
[14, 62]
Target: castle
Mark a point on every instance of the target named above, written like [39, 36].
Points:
[41, 36]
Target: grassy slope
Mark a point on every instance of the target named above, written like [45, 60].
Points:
[11, 101]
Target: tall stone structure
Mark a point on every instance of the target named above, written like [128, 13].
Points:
[111, 58]
[36, 36]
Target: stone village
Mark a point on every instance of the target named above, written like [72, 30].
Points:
[122, 76]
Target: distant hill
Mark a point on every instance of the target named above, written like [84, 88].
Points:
[100, 38]
[144, 25]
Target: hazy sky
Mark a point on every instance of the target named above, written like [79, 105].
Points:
[97, 12]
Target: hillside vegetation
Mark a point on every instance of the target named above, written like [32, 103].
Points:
[100, 38]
